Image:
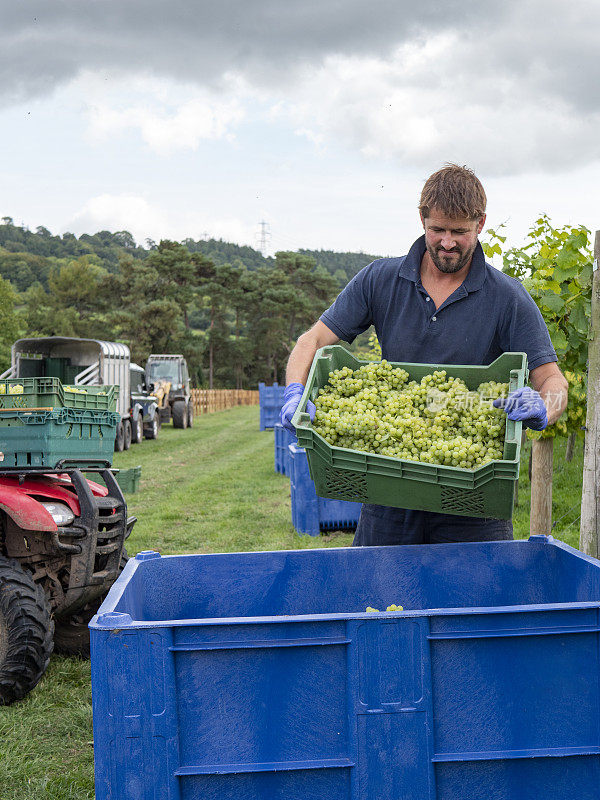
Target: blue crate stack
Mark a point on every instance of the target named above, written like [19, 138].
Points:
[271, 400]
[283, 438]
[312, 514]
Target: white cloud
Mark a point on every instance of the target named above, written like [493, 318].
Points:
[337, 119]
[116, 213]
[166, 126]
[511, 86]
[425, 104]
[316, 138]
[428, 103]
[510, 89]
[144, 219]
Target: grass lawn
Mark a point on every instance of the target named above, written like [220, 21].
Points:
[209, 489]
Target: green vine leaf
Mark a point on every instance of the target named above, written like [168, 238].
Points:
[555, 266]
[551, 301]
[559, 341]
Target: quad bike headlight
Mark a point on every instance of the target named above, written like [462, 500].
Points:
[60, 513]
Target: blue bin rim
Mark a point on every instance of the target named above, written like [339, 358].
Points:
[105, 619]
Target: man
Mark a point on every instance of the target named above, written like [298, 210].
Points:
[440, 304]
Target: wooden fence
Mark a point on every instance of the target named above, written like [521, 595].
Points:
[208, 400]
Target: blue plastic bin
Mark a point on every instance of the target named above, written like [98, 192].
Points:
[259, 676]
[312, 514]
[283, 438]
[271, 400]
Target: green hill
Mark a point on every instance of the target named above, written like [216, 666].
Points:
[26, 257]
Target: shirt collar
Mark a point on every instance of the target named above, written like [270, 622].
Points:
[411, 266]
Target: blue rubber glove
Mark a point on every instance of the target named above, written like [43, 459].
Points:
[291, 400]
[525, 405]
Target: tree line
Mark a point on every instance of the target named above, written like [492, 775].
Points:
[26, 256]
[235, 324]
[236, 314]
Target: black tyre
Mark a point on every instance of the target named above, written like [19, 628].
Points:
[180, 414]
[190, 413]
[26, 631]
[137, 429]
[126, 434]
[151, 430]
[120, 438]
[72, 635]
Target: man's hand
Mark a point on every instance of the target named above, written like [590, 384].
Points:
[525, 405]
[291, 400]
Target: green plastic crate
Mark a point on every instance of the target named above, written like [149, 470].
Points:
[51, 393]
[129, 479]
[344, 474]
[43, 438]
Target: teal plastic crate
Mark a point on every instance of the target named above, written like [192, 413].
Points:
[129, 479]
[345, 474]
[46, 393]
[43, 438]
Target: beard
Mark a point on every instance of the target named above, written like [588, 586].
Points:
[460, 258]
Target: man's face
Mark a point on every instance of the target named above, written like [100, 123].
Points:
[451, 242]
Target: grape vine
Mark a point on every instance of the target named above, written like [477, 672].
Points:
[555, 266]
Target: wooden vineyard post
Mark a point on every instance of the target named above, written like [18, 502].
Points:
[540, 519]
[589, 532]
[570, 447]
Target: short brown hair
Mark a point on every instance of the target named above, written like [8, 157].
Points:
[455, 191]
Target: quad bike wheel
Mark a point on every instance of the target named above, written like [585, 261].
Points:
[137, 430]
[26, 630]
[151, 430]
[72, 635]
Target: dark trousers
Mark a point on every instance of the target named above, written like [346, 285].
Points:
[382, 525]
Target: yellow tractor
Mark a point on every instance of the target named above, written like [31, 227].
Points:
[167, 376]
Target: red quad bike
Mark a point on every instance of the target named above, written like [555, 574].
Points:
[61, 548]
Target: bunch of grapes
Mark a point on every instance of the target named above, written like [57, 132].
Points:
[377, 409]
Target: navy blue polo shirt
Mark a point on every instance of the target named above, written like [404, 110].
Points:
[490, 313]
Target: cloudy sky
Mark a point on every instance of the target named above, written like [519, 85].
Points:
[175, 118]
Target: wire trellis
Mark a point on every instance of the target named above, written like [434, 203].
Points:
[566, 514]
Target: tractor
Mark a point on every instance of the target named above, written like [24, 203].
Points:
[163, 369]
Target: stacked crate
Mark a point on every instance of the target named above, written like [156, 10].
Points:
[283, 438]
[44, 423]
[271, 400]
[312, 514]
